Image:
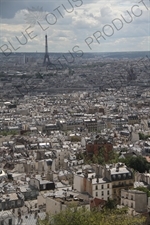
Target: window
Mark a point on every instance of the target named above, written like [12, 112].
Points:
[102, 193]
[131, 197]
[96, 193]
[102, 186]
[13, 204]
[10, 222]
[44, 186]
[19, 202]
[96, 187]
[119, 176]
[107, 185]
[124, 175]
[107, 192]
[131, 204]
[130, 174]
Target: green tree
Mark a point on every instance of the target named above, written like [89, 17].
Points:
[138, 163]
[111, 204]
[143, 136]
[144, 189]
[85, 217]
[11, 132]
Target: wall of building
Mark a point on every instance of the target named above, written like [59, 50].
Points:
[102, 191]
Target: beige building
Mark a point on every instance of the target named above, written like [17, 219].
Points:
[121, 178]
[118, 175]
[97, 187]
[55, 205]
[135, 200]
[101, 188]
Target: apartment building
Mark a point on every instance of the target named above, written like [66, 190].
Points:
[91, 124]
[101, 188]
[119, 175]
[55, 205]
[97, 187]
[135, 200]
[133, 119]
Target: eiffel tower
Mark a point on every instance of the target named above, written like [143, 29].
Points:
[46, 61]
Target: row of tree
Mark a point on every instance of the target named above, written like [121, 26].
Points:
[11, 132]
[143, 136]
[85, 217]
[138, 163]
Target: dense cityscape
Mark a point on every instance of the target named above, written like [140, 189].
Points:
[74, 126]
[75, 134]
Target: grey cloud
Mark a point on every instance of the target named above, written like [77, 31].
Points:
[10, 7]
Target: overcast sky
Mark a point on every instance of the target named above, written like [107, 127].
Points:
[85, 20]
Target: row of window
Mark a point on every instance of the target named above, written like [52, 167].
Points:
[10, 204]
[122, 176]
[102, 193]
[102, 186]
[128, 197]
[129, 205]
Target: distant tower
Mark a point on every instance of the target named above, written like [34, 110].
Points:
[46, 61]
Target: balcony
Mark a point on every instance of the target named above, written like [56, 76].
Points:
[122, 185]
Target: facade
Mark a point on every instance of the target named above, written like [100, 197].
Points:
[91, 124]
[96, 187]
[101, 189]
[133, 119]
[135, 200]
[55, 205]
[60, 156]
[11, 201]
[121, 178]
[118, 176]
[41, 185]
[50, 127]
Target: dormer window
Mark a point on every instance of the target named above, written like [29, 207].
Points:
[119, 176]
[130, 175]
[114, 176]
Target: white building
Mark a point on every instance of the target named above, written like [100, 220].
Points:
[101, 188]
[96, 187]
